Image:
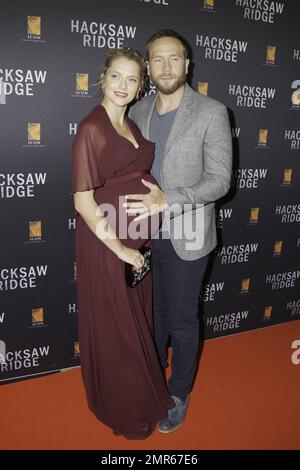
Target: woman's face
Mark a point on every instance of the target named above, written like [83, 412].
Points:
[122, 81]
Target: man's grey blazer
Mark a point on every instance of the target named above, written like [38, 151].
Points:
[196, 168]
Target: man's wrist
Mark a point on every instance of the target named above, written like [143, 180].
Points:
[164, 203]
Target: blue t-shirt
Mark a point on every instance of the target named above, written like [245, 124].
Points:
[159, 131]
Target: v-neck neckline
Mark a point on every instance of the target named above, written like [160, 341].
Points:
[119, 135]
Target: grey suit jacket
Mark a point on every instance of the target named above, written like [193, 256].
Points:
[196, 168]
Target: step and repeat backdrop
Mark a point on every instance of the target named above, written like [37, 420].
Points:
[246, 54]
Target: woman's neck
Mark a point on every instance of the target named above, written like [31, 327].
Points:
[115, 113]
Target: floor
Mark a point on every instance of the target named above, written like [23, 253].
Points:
[246, 396]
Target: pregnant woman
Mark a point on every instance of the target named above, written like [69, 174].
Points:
[121, 373]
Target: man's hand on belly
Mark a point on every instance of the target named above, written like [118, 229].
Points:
[148, 204]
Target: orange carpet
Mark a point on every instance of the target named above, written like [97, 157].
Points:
[246, 396]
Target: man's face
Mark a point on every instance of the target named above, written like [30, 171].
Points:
[167, 65]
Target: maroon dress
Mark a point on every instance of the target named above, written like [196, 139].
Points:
[123, 381]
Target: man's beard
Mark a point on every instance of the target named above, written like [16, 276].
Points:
[169, 89]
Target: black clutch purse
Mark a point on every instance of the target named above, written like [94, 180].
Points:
[132, 276]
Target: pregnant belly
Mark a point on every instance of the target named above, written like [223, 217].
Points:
[111, 199]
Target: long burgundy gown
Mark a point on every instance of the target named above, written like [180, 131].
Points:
[120, 369]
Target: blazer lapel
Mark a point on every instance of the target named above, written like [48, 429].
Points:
[181, 116]
[147, 116]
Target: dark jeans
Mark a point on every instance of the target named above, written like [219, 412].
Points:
[176, 289]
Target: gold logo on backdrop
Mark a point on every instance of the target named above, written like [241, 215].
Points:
[254, 214]
[278, 247]
[263, 137]
[34, 25]
[75, 271]
[208, 3]
[76, 348]
[268, 312]
[34, 131]
[82, 82]
[245, 285]
[203, 88]
[271, 54]
[296, 93]
[37, 315]
[35, 229]
[287, 176]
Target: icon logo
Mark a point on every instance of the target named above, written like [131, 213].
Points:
[203, 88]
[76, 349]
[245, 286]
[33, 27]
[287, 176]
[35, 230]
[82, 83]
[37, 316]
[262, 137]
[268, 312]
[271, 54]
[277, 248]
[254, 215]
